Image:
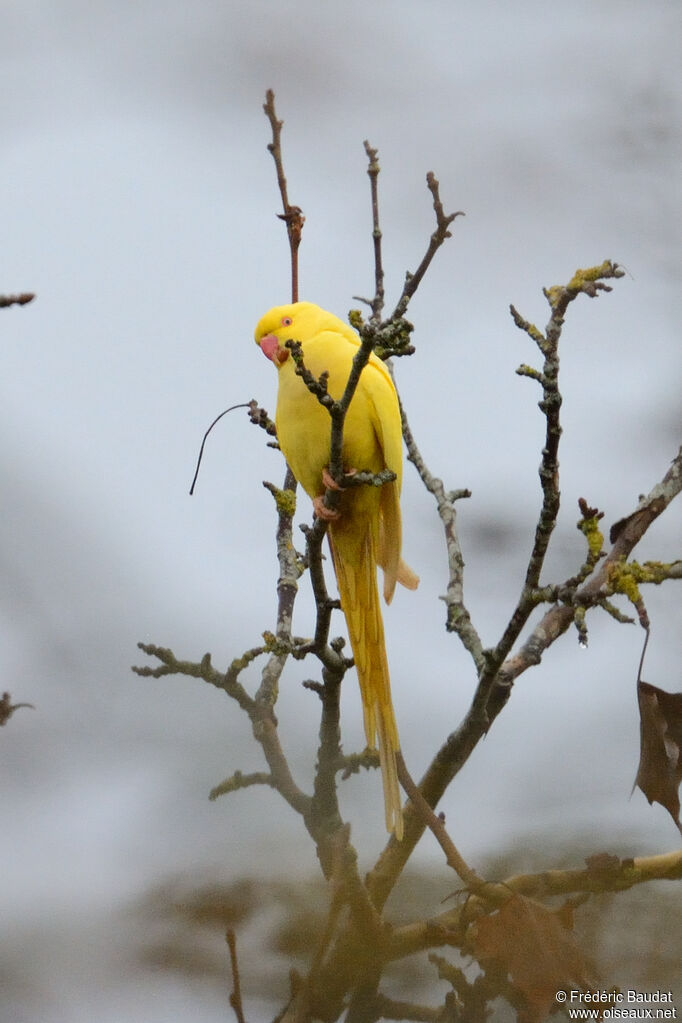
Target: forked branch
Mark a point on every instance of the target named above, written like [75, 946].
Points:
[500, 668]
[441, 233]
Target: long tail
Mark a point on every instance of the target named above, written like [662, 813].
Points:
[355, 561]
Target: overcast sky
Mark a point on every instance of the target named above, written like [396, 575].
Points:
[138, 202]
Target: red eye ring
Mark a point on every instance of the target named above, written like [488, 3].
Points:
[287, 321]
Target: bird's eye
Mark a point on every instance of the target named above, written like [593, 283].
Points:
[287, 321]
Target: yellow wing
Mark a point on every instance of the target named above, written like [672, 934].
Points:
[368, 531]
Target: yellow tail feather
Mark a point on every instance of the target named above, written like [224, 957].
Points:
[355, 560]
[390, 537]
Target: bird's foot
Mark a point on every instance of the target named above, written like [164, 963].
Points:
[322, 511]
[329, 481]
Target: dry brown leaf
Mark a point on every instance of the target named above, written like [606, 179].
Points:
[660, 769]
[539, 953]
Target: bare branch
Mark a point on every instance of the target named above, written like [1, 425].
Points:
[597, 587]
[278, 647]
[458, 619]
[236, 996]
[437, 825]
[344, 952]
[289, 567]
[260, 417]
[494, 689]
[228, 681]
[353, 763]
[373, 170]
[248, 405]
[238, 781]
[441, 233]
[293, 215]
[448, 928]
[587, 282]
[618, 875]
[337, 849]
[325, 816]
[324, 604]
[605, 874]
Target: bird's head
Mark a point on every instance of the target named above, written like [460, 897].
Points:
[296, 322]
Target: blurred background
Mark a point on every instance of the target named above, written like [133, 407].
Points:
[138, 201]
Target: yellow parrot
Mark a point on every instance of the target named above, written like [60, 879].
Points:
[366, 531]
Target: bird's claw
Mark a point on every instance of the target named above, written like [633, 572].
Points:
[329, 481]
[322, 511]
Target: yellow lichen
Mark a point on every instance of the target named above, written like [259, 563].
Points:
[593, 273]
[593, 534]
[651, 571]
[285, 501]
[553, 294]
[623, 579]
[239, 663]
[580, 623]
[534, 332]
[273, 645]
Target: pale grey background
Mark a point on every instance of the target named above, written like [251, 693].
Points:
[138, 202]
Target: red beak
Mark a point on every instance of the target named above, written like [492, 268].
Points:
[272, 349]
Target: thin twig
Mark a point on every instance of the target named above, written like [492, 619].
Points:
[293, 215]
[7, 708]
[437, 825]
[238, 781]
[458, 619]
[236, 996]
[217, 419]
[391, 337]
[227, 681]
[373, 171]
[443, 221]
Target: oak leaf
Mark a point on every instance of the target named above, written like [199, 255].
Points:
[660, 762]
[535, 946]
